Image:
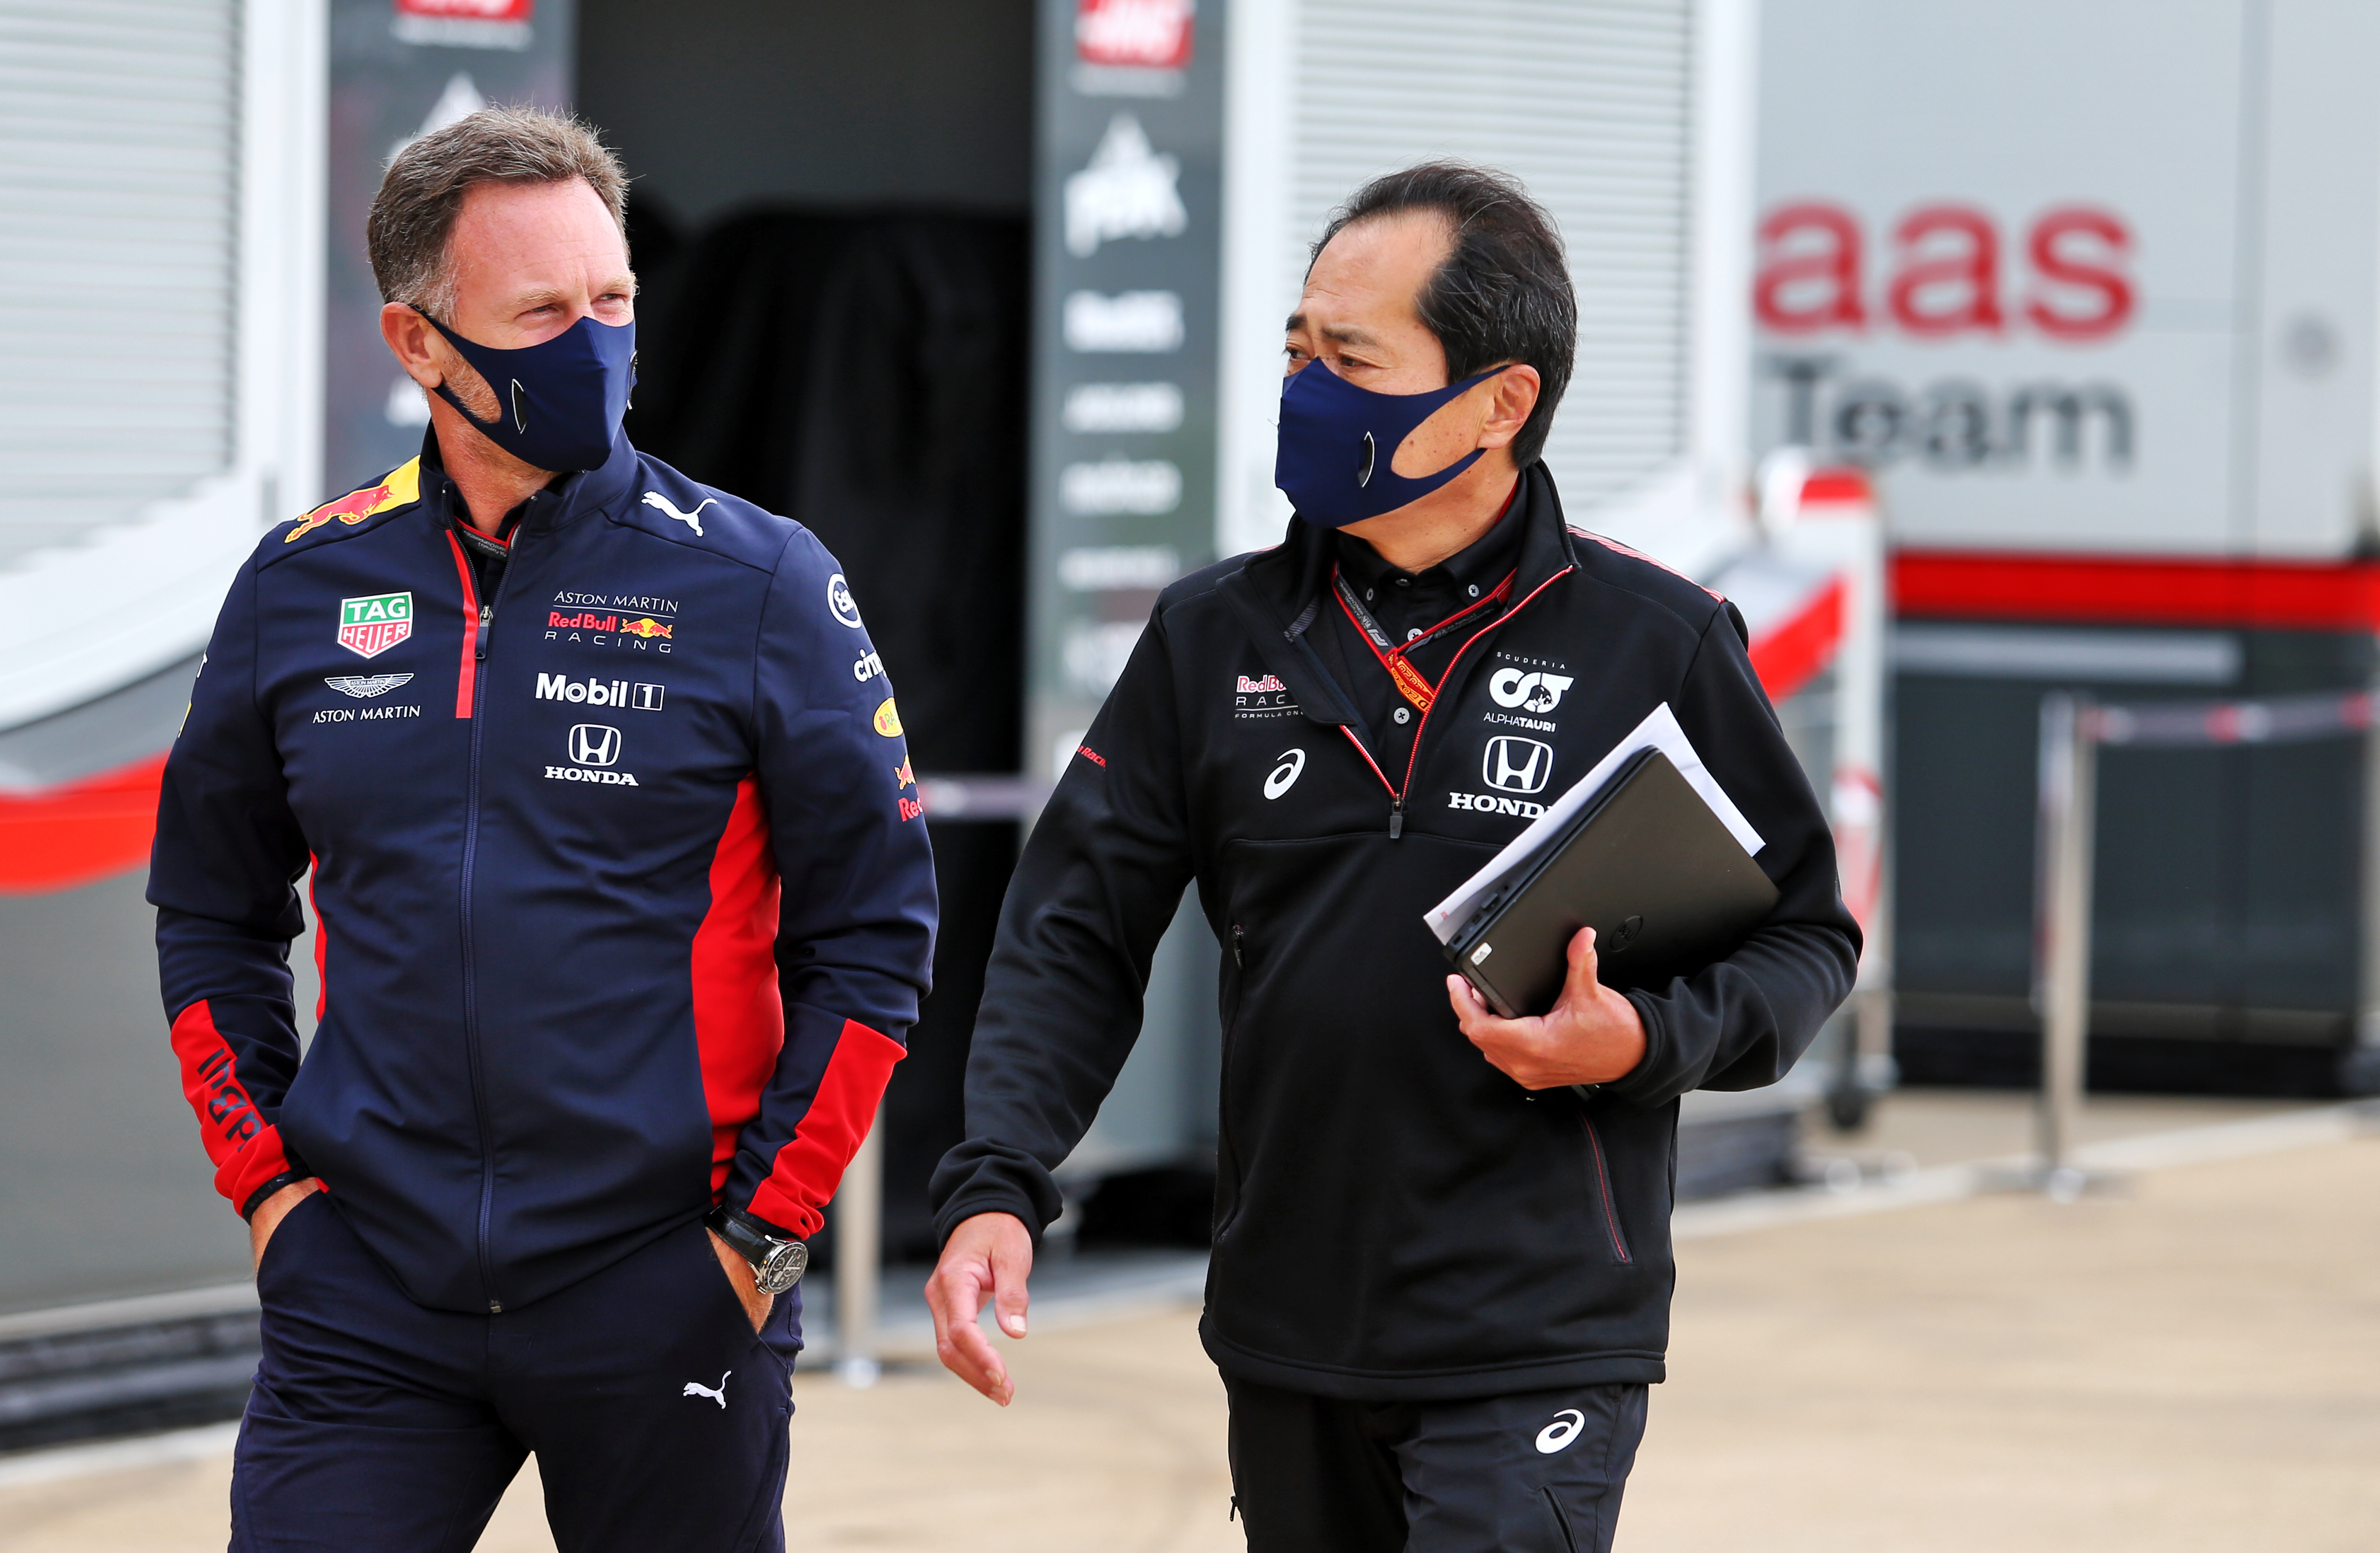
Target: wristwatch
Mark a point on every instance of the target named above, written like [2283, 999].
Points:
[777, 1263]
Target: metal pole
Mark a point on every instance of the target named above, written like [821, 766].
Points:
[2360, 1064]
[859, 1252]
[2069, 812]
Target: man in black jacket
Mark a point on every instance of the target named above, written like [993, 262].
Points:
[1441, 1274]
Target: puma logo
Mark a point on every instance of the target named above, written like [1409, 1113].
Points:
[691, 519]
[717, 1394]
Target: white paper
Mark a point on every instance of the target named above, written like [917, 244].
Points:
[1659, 731]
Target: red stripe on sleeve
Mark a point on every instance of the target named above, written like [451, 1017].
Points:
[470, 626]
[245, 1150]
[322, 945]
[739, 1015]
[808, 1169]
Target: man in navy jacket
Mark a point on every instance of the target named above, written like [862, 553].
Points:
[626, 907]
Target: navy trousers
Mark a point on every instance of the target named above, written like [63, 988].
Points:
[656, 1414]
[1535, 1472]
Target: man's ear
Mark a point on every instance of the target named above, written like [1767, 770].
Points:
[1515, 394]
[412, 342]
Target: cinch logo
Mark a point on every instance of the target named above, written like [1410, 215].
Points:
[596, 692]
[1488, 803]
[1516, 765]
[1260, 686]
[369, 627]
[866, 666]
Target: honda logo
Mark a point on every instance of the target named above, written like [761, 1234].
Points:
[591, 743]
[1515, 765]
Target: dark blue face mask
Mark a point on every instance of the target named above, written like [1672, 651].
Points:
[1337, 441]
[561, 401]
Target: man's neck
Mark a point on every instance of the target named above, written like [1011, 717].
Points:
[1447, 521]
[491, 481]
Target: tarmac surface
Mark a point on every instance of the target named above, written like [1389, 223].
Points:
[2187, 1358]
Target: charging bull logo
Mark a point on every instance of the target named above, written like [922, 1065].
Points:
[402, 486]
[646, 629]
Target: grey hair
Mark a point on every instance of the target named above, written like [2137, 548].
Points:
[413, 215]
[1503, 293]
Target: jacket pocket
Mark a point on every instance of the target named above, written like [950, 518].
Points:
[1601, 1184]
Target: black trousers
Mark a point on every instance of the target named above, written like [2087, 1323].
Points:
[1535, 1471]
[656, 1414]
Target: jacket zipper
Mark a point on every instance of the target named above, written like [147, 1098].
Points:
[1603, 1185]
[481, 631]
[1223, 1074]
[1412, 760]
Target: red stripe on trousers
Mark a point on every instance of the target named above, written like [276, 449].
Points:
[808, 1169]
[739, 1015]
[470, 626]
[245, 1150]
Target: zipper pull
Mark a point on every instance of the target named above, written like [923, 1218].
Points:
[1239, 936]
[479, 638]
[1397, 820]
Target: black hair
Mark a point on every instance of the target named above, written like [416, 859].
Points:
[1504, 293]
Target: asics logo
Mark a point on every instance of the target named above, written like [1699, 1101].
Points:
[669, 509]
[1292, 763]
[1533, 692]
[1552, 1437]
[719, 1393]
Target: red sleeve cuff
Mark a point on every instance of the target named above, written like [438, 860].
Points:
[808, 1169]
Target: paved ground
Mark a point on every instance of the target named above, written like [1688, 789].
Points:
[2190, 1362]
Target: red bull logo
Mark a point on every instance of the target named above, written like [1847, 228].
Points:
[903, 776]
[646, 629]
[402, 486]
[560, 622]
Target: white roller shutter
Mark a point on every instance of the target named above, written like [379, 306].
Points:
[161, 241]
[119, 228]
[1590, 104]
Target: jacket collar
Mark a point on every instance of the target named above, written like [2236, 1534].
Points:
[560, 505]
[1279, 593]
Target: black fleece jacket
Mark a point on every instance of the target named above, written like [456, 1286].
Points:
[1394, 1218]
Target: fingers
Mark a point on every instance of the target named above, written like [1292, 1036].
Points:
[1012, 1260]
[1585, 965]
[955, 1296]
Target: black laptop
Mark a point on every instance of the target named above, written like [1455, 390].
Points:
[1646, 863]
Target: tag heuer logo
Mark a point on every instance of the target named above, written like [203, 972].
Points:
[369, 627]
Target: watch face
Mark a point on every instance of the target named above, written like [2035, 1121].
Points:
[783, 1268]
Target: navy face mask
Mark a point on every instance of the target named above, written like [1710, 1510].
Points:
[1337, 441]
[560, 403]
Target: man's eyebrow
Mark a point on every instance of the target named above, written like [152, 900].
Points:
[1340, 333]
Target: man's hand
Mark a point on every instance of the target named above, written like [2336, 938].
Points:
[990, 1253]
[744, 1280]
[272, 1211]
[1592, 1035]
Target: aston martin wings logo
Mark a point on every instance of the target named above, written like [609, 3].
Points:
[365, 687]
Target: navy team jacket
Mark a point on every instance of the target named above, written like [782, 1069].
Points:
[626, 897]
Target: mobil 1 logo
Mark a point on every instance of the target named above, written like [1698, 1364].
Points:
[593, 692]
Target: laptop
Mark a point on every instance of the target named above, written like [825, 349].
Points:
[1646, 863]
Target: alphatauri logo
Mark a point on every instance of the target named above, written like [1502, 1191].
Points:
[1530, 691]
[1552, 1437]
[1284, 776]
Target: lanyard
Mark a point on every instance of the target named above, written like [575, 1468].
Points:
[1411, 682]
